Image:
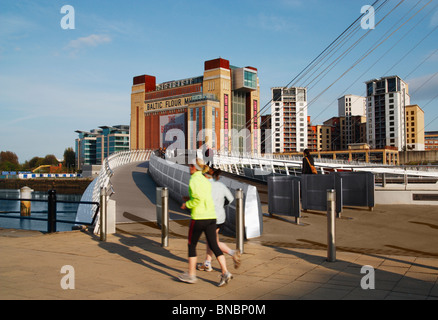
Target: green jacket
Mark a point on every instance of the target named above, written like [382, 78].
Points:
[201, 201]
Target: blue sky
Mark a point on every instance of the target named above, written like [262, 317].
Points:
[54, 81]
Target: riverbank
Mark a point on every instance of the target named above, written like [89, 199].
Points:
[62, 186]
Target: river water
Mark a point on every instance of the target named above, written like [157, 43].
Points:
[65, 211]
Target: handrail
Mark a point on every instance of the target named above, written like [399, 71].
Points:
[52, 202]
[103, 180]
[234, 161]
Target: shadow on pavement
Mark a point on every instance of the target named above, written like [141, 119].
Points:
[125, 250]
[351, 274]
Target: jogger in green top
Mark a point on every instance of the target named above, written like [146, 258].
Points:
[203, 219]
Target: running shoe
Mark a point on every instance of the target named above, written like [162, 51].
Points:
[203, 267]
[225, 278]
[236, 259]
[185, 277]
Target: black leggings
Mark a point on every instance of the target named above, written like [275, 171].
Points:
[195, 231]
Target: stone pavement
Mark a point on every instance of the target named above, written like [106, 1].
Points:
[132, 264]
[287, 262]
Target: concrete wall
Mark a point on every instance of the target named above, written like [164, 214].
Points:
[419, 156]
[408, 197]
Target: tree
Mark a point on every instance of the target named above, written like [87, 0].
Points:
[51, 160]
[8, 156]
[9, 161]
[69, 158]
[35, 162]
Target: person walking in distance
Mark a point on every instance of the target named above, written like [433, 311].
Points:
[308, 163]
[221, 194]
[203, 219]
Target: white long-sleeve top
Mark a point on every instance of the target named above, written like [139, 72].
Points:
[220, 192]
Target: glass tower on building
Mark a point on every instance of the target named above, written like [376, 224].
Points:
[92, 147]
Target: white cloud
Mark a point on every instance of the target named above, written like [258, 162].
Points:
[85, 42]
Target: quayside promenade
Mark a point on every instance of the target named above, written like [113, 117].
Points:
[287, 262]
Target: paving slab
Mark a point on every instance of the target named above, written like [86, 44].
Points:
[288, 262]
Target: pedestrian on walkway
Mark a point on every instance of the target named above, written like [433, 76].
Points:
[308, 163]
[221, 194]
[203, 219]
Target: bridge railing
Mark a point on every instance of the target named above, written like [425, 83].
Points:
[103, 180]
[176, 177]
[236, 163]
[291, 165]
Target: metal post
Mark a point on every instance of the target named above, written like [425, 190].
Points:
[405, 178]
[164, 217]
[102, 216]
[158, 208]
[25, 206]
[240, 221]
[51, 212]
[331, 242]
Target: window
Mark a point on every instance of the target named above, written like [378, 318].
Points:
[276, 93]
[197, 122]
[370, 89]
[392, 85]
[250, 79]
[213, 128]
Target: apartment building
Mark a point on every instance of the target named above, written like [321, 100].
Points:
[415, 128]
[386, 101]
[289, 119]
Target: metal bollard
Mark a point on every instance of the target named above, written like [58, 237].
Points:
[102, 216]
[25, 206]
[51, 212]
[164, 217]
[240, 220]
[331, 219]
[158, 209]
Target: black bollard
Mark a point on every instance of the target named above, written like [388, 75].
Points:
[51, 212]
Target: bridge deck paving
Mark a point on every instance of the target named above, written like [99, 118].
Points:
[287, 262]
